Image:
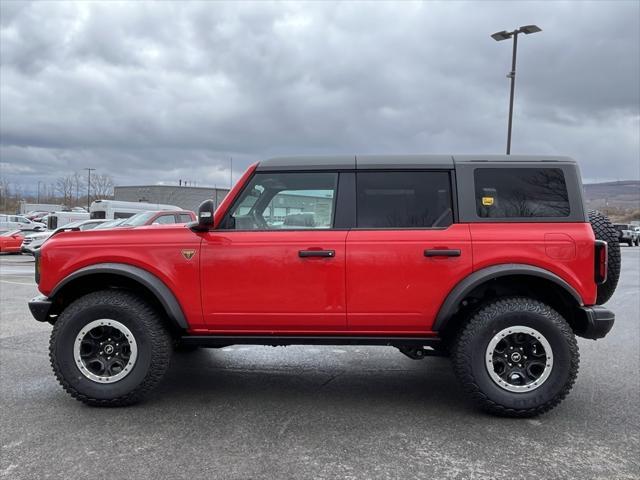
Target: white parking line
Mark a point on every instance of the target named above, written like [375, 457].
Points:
[18, 283]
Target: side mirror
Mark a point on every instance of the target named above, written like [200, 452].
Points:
[205, 217]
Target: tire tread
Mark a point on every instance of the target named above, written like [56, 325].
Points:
[463, 348]
[160, 340]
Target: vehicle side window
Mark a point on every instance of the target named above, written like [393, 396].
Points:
[164, 220]
[285, 201]
[521, 193]
[117, 215]
[403, 199]
[185, 218]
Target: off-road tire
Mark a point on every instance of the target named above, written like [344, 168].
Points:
[469, 350]
[154, 348]
[603, 229]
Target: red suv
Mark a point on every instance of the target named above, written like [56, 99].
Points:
[491, 260]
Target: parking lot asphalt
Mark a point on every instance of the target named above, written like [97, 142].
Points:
[247, 412]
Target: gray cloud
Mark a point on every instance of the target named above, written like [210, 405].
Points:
[153, 92]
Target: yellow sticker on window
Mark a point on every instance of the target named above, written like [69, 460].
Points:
[487, 201]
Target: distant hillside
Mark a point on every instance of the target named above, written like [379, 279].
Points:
[623, 195]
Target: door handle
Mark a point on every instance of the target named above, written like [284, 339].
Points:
[316, 253]
[444, 252]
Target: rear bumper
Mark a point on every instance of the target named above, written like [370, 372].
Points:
[40, 307]
[596, 322]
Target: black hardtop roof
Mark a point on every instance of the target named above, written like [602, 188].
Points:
[366, 162]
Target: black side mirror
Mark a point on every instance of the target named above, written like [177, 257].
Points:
[205, 217]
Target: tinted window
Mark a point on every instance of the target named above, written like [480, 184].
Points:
[521, 192]
[406, 199]
[184, 218]
[121, 215]
[285, 201]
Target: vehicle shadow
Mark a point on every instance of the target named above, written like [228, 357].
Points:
[220, 378]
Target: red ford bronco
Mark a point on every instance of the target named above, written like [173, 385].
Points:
[491, 260]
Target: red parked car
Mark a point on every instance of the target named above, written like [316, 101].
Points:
[11, 242]
[491, 260]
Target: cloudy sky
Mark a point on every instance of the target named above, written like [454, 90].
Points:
[156, 92]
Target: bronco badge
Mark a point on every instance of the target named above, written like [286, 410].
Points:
[188, 254]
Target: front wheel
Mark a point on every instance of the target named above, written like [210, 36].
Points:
[516, 357]
[109, 348]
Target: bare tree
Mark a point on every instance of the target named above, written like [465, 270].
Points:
[102, 186]
[65, 187]
[78, 186]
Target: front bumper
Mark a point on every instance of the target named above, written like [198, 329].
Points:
[595, 322]
[40, 307]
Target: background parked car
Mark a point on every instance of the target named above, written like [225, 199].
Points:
[110, 224]
[635, 231]
[627, 234]
[11, 241]
[32, 243]
[164, 217]
[19, 222]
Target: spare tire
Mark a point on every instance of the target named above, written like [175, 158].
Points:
[604, 230]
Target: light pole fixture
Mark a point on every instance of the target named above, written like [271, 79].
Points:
[89, 170]
[504, 35]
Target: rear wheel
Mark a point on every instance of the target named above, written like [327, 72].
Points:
[516, 357]
[603, 229]
[109, 348]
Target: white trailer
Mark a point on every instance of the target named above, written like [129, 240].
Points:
[39, 207]
[114, 209]
[60, 219]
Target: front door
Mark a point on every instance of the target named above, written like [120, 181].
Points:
[406, 254]
[275, 264]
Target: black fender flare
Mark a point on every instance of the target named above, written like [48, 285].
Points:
[465, 286]
[156, 286]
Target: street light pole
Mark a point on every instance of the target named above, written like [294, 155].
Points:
[39, 182]
[512, 75]
[89, 170]
[504, 35]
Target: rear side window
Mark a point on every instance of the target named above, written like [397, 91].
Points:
[521, 193]
[403, 199]
[184, 218]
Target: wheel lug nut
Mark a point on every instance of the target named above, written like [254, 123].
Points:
[520, 365]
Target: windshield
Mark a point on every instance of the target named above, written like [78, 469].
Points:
[110, 224]
[71, 225]
[138, 219]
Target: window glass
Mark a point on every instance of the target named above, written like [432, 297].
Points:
[88, 226]
[282, 201]
[138, 219]
[404, 199]
[184, 218]
[521, 192]
[165, 220]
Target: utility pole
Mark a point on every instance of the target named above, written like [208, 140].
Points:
[504, 35]
[89, 170]
[39, 182]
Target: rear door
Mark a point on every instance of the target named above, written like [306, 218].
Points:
[405, 254]
[277, 264]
